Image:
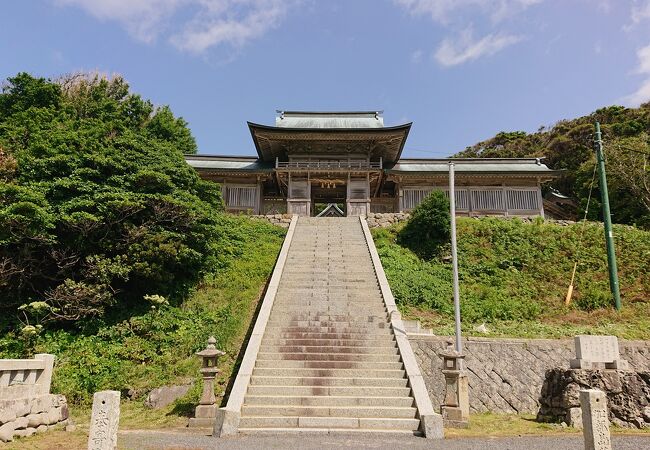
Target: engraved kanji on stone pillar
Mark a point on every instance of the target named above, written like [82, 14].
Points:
[455, 408]
[595, 420]
[205, 413]
[104, 421]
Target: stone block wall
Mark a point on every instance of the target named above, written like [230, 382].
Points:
[281, 220]
[507, 375]
[26, 405]
[383, 220]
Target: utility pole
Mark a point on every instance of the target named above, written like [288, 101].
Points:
[454, 254]
[607, 220]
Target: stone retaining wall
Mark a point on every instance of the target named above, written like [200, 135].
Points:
[507, 375]
[26, 405]
[383, 220]
[281, 220]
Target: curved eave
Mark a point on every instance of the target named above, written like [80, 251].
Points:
[388, 131]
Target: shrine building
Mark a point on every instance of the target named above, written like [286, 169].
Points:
[350, 163]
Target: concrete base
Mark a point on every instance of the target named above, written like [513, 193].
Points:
[432, 426]
[205, 422]
[226, 423]
[204, 416]
[454, 417]
[618, 364]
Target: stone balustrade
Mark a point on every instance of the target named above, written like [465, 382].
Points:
[26, 405]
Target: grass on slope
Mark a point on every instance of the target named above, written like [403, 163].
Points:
[514, 277]
[157, 348]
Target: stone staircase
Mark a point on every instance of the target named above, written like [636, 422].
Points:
[328, 358]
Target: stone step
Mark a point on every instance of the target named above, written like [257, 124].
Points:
[380, 329]
[290, 288]
[328, 411]
[330, 373]
[320, 400]
[388, 341]
[332, 285]
[353, 319]
[327, 254]
[327, 313]
[280, 333]
[329, 277]
[300, 299]
[376, 350]
[279, 337]
[327, 381]
[249, 423]
[334, 301]
[358, 271]
[325, 391]
[306, 303]
[329, 323]
[337, 318]
[370, 365]
[315, 356]
[297, 315]
[323, 259]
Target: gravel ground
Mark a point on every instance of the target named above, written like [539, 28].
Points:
[147, 440]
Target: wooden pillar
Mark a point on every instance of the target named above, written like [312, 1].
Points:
[258, 202]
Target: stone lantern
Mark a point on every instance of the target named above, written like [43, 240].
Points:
[455, 408]
[206, 412]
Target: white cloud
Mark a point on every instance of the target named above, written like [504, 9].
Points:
[640, 12]
[642, 94]
[452, 52]
[190, 25]
[452, 14]
[252, 22]
[442, 11]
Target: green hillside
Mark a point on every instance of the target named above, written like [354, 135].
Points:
[514, 277]
[114, 254]
[568, 145]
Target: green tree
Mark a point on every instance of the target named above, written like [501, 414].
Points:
[429, 227]
[98, 207]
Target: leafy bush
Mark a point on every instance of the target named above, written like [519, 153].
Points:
[594, 297]
[97, 205]
[429, 227]
[157, 347]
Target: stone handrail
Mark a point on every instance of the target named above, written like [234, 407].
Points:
[20, 378]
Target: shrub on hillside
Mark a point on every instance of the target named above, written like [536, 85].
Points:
[97, 206]
[429, 226]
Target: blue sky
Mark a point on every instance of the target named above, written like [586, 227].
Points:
[461, 70]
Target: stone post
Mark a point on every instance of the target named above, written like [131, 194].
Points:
[595, 420]
[104, 421]
[44, 380]
[455, 407]
[206, 412]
